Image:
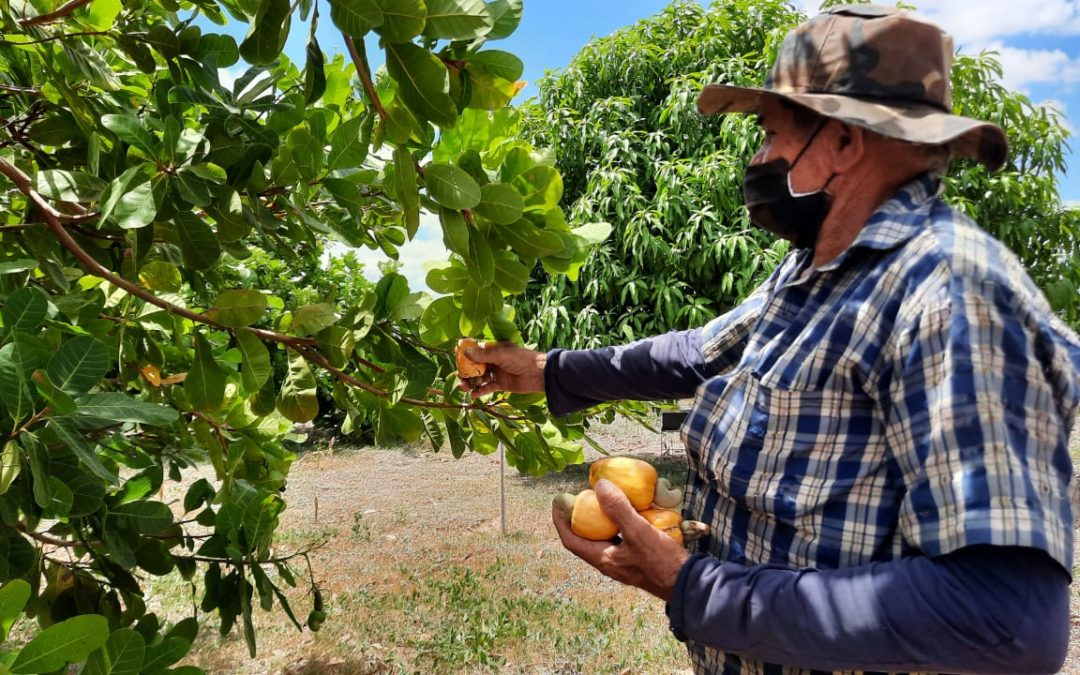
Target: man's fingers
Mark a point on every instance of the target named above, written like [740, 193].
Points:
[591, 552]
[488, 352]
[615, 504]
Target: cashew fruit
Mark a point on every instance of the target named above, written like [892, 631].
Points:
[466, 367]
[588, 520]
[635, 477]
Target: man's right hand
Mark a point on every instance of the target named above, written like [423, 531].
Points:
[510, 368]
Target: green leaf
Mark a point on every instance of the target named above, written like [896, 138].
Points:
[497, 63]
[13, 597]
[256, 361]
[451, 186]
[314, 73]
[60, 403]
[455, 231]
[198, 244]
[68, 186]
[336, 343]
[238, 307]
[529, 240]
[542, 187]
[510, 275]
[402, 19]
[311, 319]
[65, 431]
[447, 280]
[476, 306]
[118, 407]
[141, 517]
[10, 467]
[594, 233]
[102, 13]
[217, 51]
[269, 30]
[423, 82]
[348, 144]
[122, 654]
[25, 310]
[507, 15]
[136, 207]
[66, 642]
[79, 364]
[161, 276]
[458, 19]
[355, 17]
[500, 203]
[17, 266]
[481, 261]
[297, 400]
[129, 129]
[405, 180]
[205, 383]
[15, 393]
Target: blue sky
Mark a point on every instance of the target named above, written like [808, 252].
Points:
[1038, 42]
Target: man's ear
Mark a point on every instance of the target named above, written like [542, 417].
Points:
[849, 146]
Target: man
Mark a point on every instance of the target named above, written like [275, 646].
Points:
[879, 434]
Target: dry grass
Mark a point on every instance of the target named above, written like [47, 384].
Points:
[418, 576]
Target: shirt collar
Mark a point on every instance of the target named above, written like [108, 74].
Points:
[897, 220]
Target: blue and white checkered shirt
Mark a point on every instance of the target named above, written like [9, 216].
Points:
[911, 397]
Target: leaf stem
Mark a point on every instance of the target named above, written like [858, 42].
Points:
[359, 57]
[54, 16]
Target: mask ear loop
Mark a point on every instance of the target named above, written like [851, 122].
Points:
[805, 147]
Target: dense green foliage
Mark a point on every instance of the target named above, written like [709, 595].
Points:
[165, 301]
[634, 152]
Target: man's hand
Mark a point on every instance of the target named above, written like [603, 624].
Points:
[645, 557]
[510, 368]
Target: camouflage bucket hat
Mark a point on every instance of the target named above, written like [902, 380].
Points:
[874, 67]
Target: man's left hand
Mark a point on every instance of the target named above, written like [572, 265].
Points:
[644, 556]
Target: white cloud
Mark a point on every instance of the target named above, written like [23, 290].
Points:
[1023, 67]
[988, 19]
[229, 76]
[426, 247]
[971, 23]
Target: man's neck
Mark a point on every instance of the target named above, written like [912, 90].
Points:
[856, 199]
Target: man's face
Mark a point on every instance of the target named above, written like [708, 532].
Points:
[784, 139]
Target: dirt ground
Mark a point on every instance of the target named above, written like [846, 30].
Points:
[383, 511]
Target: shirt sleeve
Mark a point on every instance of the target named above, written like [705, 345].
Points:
[664, 367]
[980, 399]
[668, 366]
[983, 609]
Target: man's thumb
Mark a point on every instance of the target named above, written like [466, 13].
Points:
[487, 352]
[614, 502]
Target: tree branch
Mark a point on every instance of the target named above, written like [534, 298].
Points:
[360, 61]
[54, 16]
[302, 346]
[60, 36]
[20, 90]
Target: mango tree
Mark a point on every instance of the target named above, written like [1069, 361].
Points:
[633, 151]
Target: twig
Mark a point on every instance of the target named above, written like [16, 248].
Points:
[61, 36]
[20, 90]
[360, 61]
[54, 16]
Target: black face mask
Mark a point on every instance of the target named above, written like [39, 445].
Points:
[776, 208]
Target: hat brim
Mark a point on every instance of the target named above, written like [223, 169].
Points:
[966, 137]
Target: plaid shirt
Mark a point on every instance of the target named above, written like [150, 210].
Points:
[911, 397]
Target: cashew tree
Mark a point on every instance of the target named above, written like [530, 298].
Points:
[149, 216]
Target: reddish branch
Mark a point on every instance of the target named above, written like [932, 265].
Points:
[54, 16]
[302, 346]
[360, 62]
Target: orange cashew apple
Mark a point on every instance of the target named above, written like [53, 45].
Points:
[466, 367]
[638, 480]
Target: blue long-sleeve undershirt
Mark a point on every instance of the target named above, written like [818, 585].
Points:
[981, 609]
